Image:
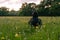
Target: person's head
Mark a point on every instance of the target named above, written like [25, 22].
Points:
[35, 14]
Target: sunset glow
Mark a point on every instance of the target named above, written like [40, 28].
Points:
[16, 4]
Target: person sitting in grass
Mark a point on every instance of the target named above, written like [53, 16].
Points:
[35, 18]
[35, 21]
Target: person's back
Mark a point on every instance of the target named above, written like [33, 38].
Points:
[35, 17]
[34, 21]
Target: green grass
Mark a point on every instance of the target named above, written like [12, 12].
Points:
[12, 26]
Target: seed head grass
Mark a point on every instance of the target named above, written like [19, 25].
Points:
[17, 28]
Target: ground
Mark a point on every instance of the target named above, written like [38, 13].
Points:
[17, 28]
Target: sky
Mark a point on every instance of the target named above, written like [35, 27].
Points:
[16, 4]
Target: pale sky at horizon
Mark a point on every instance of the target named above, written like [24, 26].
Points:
[16, 4]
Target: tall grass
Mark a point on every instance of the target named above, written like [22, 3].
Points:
[17, 28]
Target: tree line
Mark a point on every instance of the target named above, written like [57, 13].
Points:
[45, 8]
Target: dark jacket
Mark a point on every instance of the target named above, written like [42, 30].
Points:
[35, 17]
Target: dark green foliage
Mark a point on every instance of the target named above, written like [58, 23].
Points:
[27, 10]
[52, 9]
[3, 11]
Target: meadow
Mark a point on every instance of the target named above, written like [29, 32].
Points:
[17, 28]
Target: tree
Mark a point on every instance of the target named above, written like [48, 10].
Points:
[4, 11]
[27, 9]
[49, 8]
[13, 13]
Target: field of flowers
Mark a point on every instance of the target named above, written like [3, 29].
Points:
[17, 28]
